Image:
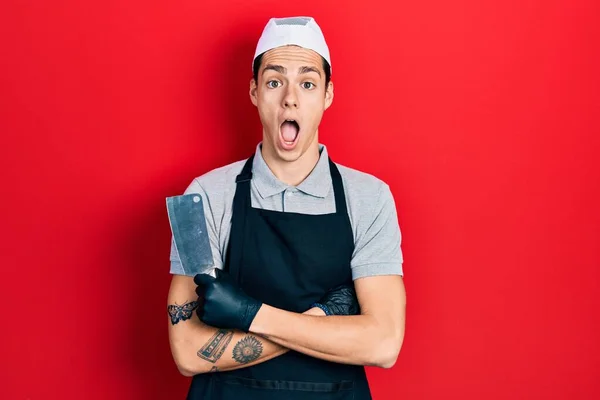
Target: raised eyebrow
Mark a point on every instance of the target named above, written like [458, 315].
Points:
[306, 70]
[277, 68]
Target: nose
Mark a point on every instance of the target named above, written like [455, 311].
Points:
[290, 100]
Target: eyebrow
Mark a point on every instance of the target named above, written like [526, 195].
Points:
[306, 70]
[283, 70]
[277, 68]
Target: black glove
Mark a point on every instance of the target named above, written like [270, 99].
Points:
[340, 300]
[225, 305]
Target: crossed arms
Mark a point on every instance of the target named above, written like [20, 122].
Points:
[374, 337]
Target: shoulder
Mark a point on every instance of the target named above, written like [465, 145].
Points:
[362, 187]
[371, 205]
[217, 181]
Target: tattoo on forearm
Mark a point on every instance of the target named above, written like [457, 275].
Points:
[214, 369]
[214, 348]
[247, 350]
[181, 313]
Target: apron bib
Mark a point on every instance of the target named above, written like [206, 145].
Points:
[287, 260]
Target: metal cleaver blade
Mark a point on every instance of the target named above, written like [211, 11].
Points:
[188, 225]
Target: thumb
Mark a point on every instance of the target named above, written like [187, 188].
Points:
[224, 276]
[203, 279]
[220, 274]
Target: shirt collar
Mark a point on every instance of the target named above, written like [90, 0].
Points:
[317, 183]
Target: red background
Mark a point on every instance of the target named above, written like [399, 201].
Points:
[482, 116]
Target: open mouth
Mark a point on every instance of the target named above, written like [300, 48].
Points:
[289, 131]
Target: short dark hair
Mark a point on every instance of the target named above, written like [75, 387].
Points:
[326, 67]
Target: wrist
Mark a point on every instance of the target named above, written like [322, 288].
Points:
[315, 311]
[252, 308]
[324, 309]
[261, 320]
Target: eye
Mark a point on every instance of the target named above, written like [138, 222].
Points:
[273, 84]
[308, 85]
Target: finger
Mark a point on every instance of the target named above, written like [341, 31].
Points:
[203, 279]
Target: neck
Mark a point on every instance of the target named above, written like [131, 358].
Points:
[292, 172]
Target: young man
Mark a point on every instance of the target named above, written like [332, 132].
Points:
[293, 235]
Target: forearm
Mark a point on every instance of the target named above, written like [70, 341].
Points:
[198, 348]
[353, 339]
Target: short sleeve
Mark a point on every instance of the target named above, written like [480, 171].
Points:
[377, 249]
[213, 234]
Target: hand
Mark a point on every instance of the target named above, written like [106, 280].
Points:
[225, 305]
[340, 300]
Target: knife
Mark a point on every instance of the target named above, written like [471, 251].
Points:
[188, 225]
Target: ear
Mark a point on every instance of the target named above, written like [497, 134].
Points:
[253, 90]
[329, 95]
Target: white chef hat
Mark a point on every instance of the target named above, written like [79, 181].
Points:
[299, 31]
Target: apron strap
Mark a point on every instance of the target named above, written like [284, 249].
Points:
[338, 189]
[340, 200]
[241, 201]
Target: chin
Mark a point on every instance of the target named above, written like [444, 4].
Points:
[290, 155]
[279, 150]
